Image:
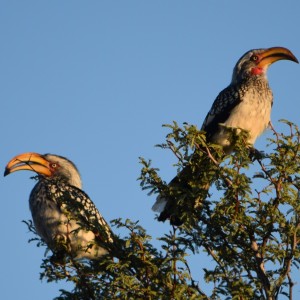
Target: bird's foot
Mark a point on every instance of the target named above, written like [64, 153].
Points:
[58, 258]
[255, 154]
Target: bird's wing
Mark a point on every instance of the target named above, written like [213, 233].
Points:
[221, 109]
[76, 201]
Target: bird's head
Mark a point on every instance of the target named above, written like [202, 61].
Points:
[47, 165]
[256, 62]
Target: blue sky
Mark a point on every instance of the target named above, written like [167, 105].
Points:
[95, 80]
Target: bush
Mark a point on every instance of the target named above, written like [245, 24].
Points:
[250, 231]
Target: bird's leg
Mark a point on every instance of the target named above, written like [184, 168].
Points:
[58, 258]
[255, 154]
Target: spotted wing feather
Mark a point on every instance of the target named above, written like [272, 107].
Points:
[73, 200]
[221, 109]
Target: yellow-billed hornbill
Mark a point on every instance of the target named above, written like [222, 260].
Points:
[64, 216]
[245, 104]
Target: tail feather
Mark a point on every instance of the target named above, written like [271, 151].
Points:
[160, 204]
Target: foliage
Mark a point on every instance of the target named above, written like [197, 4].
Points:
[250, 229]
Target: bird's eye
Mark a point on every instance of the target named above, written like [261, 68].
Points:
[254, 58]
[53, 165]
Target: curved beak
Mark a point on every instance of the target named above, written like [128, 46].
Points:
[28, 161]
[274, 54]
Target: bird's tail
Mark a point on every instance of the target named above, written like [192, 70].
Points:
[185, 195]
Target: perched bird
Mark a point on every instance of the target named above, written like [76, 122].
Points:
[64, 216]
[245, 104]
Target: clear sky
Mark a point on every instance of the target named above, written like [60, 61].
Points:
[95, 80]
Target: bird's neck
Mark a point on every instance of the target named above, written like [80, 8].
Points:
[69, 181]
[258, 83]
[250, 79]
[255, 87]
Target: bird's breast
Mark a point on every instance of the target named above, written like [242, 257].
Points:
[47, 216]
[53, 222]
[252, 114]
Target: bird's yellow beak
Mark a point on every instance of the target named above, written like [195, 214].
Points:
[274, 54]
[28, 161]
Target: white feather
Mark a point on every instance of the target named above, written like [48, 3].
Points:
[160, 204]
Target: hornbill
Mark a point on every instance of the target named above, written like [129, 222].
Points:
[245, 104]
[63, 215]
